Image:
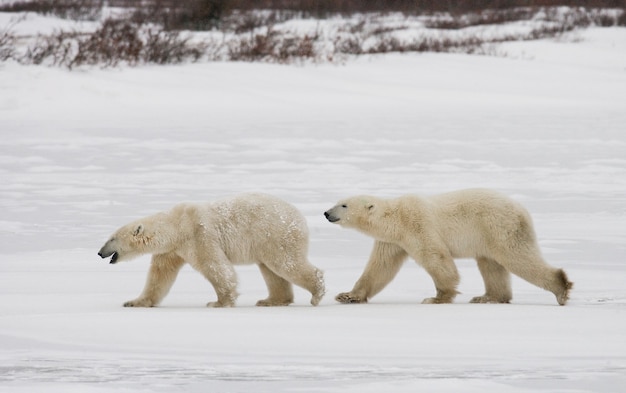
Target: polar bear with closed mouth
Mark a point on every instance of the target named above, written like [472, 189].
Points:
[476, 223]
[212, 237]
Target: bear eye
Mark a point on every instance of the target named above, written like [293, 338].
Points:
[344, 206]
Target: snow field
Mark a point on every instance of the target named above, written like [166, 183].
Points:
[87, 151]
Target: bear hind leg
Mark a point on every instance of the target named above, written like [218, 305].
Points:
[564, 285]
[310, 278]
[530, 266]
[225, 289]
[219, 271]
[497, 282]
[280, 290]
[297, 270]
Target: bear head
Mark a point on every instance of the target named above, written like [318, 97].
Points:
[376, 217]
[355, 212]
[155, 234]
[126, 243]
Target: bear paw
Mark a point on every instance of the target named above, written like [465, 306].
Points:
[219, 304]
[562, 295]
[488, 299]
[273, 303]
[316, 299]
[347, 297]
[443, 296]
[139, 303]
[436, 300]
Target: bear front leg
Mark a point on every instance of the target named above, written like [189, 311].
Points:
[384, 263]
[163, 271]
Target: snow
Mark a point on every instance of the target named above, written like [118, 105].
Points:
[87, 151]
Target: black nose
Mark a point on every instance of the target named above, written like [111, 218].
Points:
[100, 255]
[326, 214]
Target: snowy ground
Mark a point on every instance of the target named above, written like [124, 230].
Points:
[84, 152]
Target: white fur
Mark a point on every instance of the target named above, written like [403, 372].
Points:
[212, 237]
[481, 224]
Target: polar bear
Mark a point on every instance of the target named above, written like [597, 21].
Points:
[475, 223]
[212, 237]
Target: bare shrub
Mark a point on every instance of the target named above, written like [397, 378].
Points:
[7, 45]
[150, 34]
[8, 41]
[367, 35]
[57, 48]
[358, 27]
[114, 43]
[168, 47]
[388, 44]
[254, 47]
[273, 46]
[469, 44]
[348, 44]
[295, 47]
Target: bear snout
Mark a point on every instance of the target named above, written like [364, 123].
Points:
[105, 253]
[330, 217]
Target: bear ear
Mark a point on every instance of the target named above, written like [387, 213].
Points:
[138, 231]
